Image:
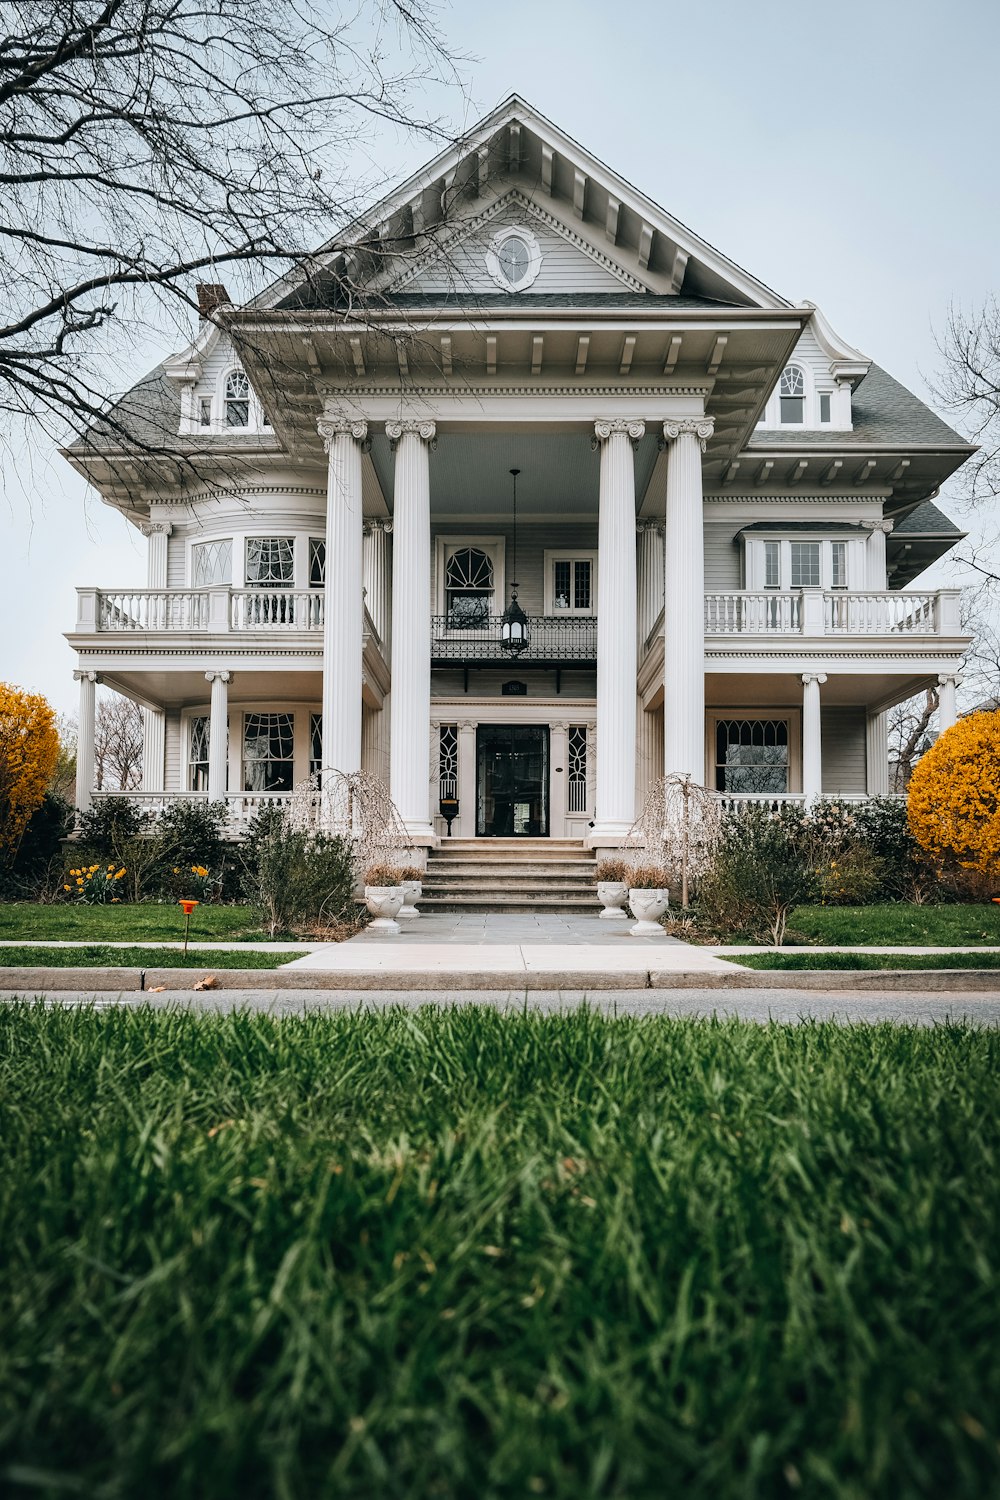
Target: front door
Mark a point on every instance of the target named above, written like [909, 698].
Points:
[512, 781]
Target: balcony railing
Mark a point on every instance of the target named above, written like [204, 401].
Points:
[833, 612]
[216, 611]
[551, 638]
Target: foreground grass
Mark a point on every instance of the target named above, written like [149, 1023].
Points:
[849, 960]
[104, 956]
[897, 922]
[460, 1254]
[27, 920]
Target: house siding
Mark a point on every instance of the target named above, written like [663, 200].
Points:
[844, 751]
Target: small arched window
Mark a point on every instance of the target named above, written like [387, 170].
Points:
[469, 589]
[237, 399]
[792, 395]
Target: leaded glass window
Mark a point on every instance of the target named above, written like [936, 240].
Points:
[469, 589]
[751, 755]
[212, 563]
[198, 754]
[317, 562]
[270, 562]
[577, 782]
[268, 750]
[315, 747]
[237, 399]
[792, 395]
[805, 565]
[448, 761]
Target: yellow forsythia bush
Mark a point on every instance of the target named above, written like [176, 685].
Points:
[29, 749]
[953, 805]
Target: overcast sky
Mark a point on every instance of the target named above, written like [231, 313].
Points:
[845, 153]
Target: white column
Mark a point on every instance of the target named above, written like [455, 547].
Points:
[218, 735]
[153, 746]
[650, 576]
[86, 732]
[376, 575]
[947, 705]
[812, 739]
[616, 632]
[156, 558]
[877, 754]
[465, 824]
[684, 601]
[876, 571]
[411, 627]
[558, 778]
[343, 618]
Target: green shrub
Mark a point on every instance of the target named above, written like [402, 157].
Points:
[853, 877]
[297, 877]
[881, 824]
[189, 838]
[761, 868]
[110, 821]
[36, 872]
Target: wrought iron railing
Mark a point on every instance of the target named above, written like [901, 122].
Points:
[551, 638]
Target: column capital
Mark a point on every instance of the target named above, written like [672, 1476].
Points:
[467, 724]
[884, 526]
[808, 677]
[374, 524]
[699, 427]
[157, 528]
[612, 426]
[950, 678]
[415, 427]
[645, 527]
[220, 676]
[333, 425]
[86, 676]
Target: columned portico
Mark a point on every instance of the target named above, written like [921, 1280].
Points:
[343, 621]
[812, 742]
[616, 632]
[410, 704]
[683, 606]
[218, 735]
[86, 733]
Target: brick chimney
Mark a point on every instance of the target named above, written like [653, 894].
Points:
[211, 294]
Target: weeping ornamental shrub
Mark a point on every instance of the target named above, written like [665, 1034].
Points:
[297, 878]
[954, 799]
[763, 866]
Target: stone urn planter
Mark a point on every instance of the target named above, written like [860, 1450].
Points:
[648, 899]
[612, 888]
[412, 892]
[384, 897]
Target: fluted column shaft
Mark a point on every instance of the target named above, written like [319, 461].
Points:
[86, 734]
[153, 747]
[877, 754]
[158, 533]
[947, 702]
[411, 626]
[343, 603]
[684, 601]
[650, 576]
[614, 810]
[218, 736]
[812, 736]
[875, 566]
[376, 574]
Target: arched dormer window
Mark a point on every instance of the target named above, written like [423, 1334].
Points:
[237, 399]
[469, 589]
[792, 397]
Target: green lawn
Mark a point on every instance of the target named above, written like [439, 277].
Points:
[900, 922]
[26, 920]
[104, 956]
[847, 960]
[464, 1254]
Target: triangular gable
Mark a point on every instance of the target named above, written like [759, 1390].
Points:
[569, 261]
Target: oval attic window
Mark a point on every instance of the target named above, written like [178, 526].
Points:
[513, 256]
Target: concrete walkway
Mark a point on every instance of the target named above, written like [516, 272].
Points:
[905, 1008]
[511, 944]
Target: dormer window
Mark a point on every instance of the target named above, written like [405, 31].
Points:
[237, 399]
[792, 396]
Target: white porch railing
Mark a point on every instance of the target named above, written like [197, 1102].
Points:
[815, 612]
[151, 609]
[241, 807]
[216, 611]
[732, 800]
[276, 609]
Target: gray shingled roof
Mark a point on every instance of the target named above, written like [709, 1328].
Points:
[150, 413]
[884, 413]
[312, 299]
[927, 520]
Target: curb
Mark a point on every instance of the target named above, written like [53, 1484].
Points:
[978, 981]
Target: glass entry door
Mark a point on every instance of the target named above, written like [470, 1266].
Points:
[512, 781]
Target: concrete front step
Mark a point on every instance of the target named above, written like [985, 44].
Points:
[570, 905]
[503, 887]
[510, 875]
[482, 871]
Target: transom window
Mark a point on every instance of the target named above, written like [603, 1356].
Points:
[268, 748]
[792, 395]
[237, 399]
[751, 755]
[211, 563]
[198, 754]
[270, 562]
[469, 589]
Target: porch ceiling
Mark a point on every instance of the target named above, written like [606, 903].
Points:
[164, 689]
[876, 690]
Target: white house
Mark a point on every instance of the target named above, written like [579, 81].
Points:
[722, 510]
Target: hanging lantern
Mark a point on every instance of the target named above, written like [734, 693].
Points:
[514, 622]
